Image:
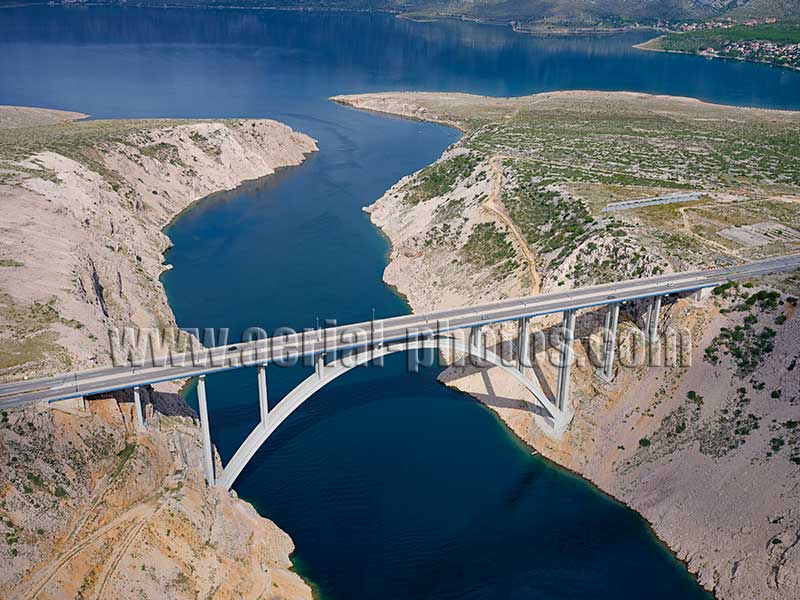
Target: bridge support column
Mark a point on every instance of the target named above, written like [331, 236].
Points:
[653, 315]
[567, 337]
[701, 295]
[476, 340]
[606, 371]
[137, 403]
[262, 394]
[523, 344]
[319, 364]
[208, 456]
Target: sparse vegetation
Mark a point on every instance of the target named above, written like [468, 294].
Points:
[31, 342]
[488, 246]
[731, 427]
[746, 345]
[35, 479]
[695, 397]
[162, 152]
[441, 177]
[123, 457]
[565, 157]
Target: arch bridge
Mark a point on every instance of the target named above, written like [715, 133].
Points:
[370, 341]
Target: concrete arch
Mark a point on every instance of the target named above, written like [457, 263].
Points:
[308, 387]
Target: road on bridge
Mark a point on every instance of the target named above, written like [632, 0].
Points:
[381, 331]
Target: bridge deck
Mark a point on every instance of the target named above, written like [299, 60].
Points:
[381, 331]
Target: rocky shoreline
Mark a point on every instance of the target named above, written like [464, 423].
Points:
[720, 499]
[84, 205]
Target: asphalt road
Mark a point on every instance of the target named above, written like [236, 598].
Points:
[360, 335]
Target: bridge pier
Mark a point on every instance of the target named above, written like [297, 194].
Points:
[653, 315]
[319, 365]
[606, 371]
[476, 339]
[523, 344]
[208, 456]
[701, 295]
[567, 337]
[262, 394]
[137, 403]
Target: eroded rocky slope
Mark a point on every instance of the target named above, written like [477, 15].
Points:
[90, 507]
[708, 452]
[83, 205]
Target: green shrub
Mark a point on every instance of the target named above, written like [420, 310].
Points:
[440, 178]
[35, 479]
[722, 290]
[695, 397]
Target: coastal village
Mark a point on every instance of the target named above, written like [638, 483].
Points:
[757, 40]
[758, 51]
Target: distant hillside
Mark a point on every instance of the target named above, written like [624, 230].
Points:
[535, 14]
[578, 13]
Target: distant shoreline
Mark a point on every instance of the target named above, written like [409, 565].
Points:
[414, 17]
[653, 46]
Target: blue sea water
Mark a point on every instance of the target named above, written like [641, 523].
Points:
[391, 485]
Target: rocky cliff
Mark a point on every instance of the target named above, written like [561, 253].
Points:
[708, 450]
[89, 507]
[83, 206]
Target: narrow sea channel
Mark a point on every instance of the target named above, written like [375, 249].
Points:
[391, 485]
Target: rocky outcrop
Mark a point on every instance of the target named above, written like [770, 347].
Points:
[83, 208]
[90, 507]
[707, 452]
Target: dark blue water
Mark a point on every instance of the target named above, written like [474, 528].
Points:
[392, 486]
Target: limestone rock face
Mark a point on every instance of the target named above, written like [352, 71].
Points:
[91, 509]
[84, 205]
[708, 449]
